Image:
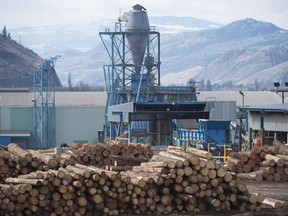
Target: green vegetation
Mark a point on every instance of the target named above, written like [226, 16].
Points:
[5, 34]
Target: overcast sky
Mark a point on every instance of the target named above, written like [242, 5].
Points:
[19, 13]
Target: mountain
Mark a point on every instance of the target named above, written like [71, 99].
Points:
[60, 37]
[241, 53]
[85, 37]
[172, 24]
[245, 28]
[16, 64]
[233, 53]
[82, 52]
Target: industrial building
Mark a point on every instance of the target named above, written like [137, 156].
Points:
[268, 123]
[80, 115]
[139, 109]
[128, 177]
[135, 106]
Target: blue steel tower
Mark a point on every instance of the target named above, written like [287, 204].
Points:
[44, 104]
[138, 108]
[134, 51]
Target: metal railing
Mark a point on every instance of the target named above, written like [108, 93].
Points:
[224, 157]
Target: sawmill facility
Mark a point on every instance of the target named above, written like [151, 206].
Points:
[80, 115]
[141, 148]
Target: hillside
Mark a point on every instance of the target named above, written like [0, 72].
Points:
[83, 54]
[240, 53]
[234, 53]
[16, 64]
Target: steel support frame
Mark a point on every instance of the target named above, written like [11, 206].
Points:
[44, 105]
[118, 74]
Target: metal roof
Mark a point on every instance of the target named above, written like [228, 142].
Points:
[15, 133]
[251, 98]
[282, 108]
[16, 99]
[98, 99]
[62, 99]
[80, 99]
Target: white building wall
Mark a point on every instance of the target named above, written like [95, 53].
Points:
[272, 121]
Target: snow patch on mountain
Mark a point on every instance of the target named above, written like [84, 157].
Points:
[181, 78]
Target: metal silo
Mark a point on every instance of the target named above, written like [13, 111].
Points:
[138, 108]
[137, 28]
[134, 69]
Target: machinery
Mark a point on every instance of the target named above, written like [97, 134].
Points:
[212, 135]
[138, 108]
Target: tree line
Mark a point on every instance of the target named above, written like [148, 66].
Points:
[229, 85]
[5, 33]
[82, 86]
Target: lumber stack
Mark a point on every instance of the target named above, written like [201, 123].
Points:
[266, 163]
[173, 181]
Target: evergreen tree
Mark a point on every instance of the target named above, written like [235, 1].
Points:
[202, 85]
[230, 84]
[69, 82]
[82, 86]
[4, 32]
[9, 36]
[208, 86]
[256, 84]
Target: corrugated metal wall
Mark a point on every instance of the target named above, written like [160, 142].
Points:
[5, 118]
[78, 123]
[272, 121]
[81, 123]
[21, 118]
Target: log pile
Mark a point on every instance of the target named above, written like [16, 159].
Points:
[213, 186]
[173, 181]
[111, 153]
[16, 161]
[266, 163]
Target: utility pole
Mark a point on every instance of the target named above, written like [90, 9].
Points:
[242, 98]
[283, 92]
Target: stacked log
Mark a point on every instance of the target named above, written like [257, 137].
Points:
[266, 163]
[12, 165]
[173, 181]
[212, 185]
[75, 190]
[124, 163]
[105, 153]
[51, 161]
[70, 191]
